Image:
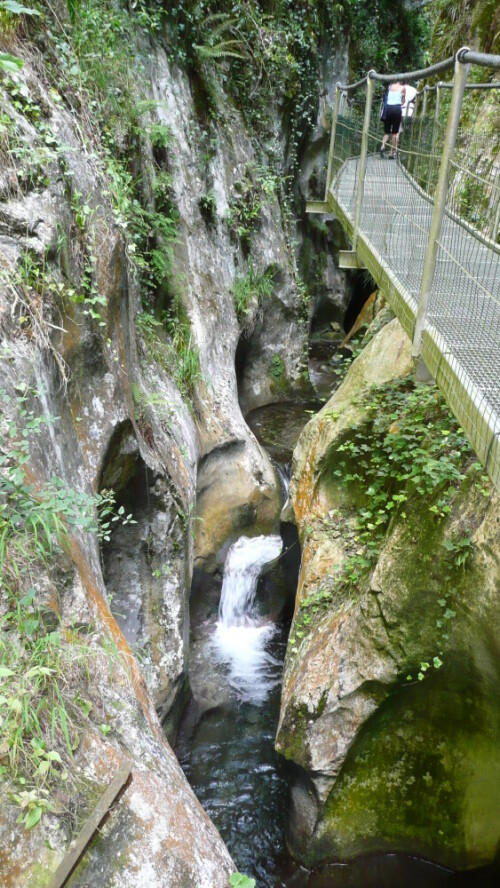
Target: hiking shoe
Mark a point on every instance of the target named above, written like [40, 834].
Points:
[391, 156]
[382, 151]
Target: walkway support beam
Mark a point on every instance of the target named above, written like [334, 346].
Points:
[459, 80]
[331, 150]
[370, 85]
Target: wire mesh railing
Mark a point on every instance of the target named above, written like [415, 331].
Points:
[431, 221]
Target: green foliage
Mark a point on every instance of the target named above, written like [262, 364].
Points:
[17, 8]
[40, 664]
[40, 718]
[221, 39]
[208, 207]
[414, 448]
[253, 191]
[386, 35]
[410, 455]
[459, 549]
[459, 23]
[169, 343]
[251, 287]
[29, 158]
[9, 63]
[238, 880]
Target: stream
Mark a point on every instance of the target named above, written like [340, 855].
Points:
[229, 756]
[239, 629]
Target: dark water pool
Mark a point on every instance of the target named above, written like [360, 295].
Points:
[278, 426]
[240, 780]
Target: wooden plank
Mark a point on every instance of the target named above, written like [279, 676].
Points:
[317, 206]
[349, 259]
[72, 858]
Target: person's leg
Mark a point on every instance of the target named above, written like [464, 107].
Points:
[395, 135]
[387, 130]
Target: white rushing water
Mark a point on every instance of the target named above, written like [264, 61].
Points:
[241, 636]
[284, 473]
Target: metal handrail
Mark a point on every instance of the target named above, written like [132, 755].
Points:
[465, 56]
[443, 84]
[346, 94]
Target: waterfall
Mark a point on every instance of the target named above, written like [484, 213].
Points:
[284, 472]
[241, 637]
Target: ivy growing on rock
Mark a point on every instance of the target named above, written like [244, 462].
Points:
[409, 457]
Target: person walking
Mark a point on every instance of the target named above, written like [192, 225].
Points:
[409, 102]
[395, 101]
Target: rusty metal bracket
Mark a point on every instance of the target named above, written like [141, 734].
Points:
[79, 845]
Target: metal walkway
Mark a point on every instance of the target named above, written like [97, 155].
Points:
[414, 231]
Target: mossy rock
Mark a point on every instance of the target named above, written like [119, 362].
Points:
[398, 669]
[423, 777]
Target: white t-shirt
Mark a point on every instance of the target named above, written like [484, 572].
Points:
[409, 105]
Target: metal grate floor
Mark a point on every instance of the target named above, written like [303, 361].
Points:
[465, 303]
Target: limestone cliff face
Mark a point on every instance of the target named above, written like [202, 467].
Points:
[114, 418]
[78, 369]
[236, 483]
[392, 757]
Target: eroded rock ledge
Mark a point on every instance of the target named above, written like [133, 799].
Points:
[390, 695]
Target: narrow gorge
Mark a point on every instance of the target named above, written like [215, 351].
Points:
[244, 554]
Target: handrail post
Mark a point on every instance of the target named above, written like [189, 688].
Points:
[413, 135]
[437, 110]
[370, 84]
[459, 80]
[496, 224]
[435, 124]
[336, 110]
[422, 118]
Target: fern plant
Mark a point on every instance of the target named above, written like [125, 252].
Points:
[219, 43]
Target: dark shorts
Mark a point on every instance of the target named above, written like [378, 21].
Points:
[392, 120]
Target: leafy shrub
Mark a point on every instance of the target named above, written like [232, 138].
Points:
[40, 663]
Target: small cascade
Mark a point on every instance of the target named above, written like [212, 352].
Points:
[284, 472]
[241, 637]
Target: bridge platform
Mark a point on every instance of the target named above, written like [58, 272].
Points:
[461, 339]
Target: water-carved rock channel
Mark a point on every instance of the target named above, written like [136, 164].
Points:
[238, 639]
[239, 628]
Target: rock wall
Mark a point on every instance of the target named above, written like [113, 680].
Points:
[390, 693]
[187, 468]
[76, 371]
[114, 418]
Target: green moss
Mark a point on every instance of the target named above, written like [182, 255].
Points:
[40, 874]
[417, 774]
[276, 368]
[321, 705]
[277, 375]
[292, 739]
